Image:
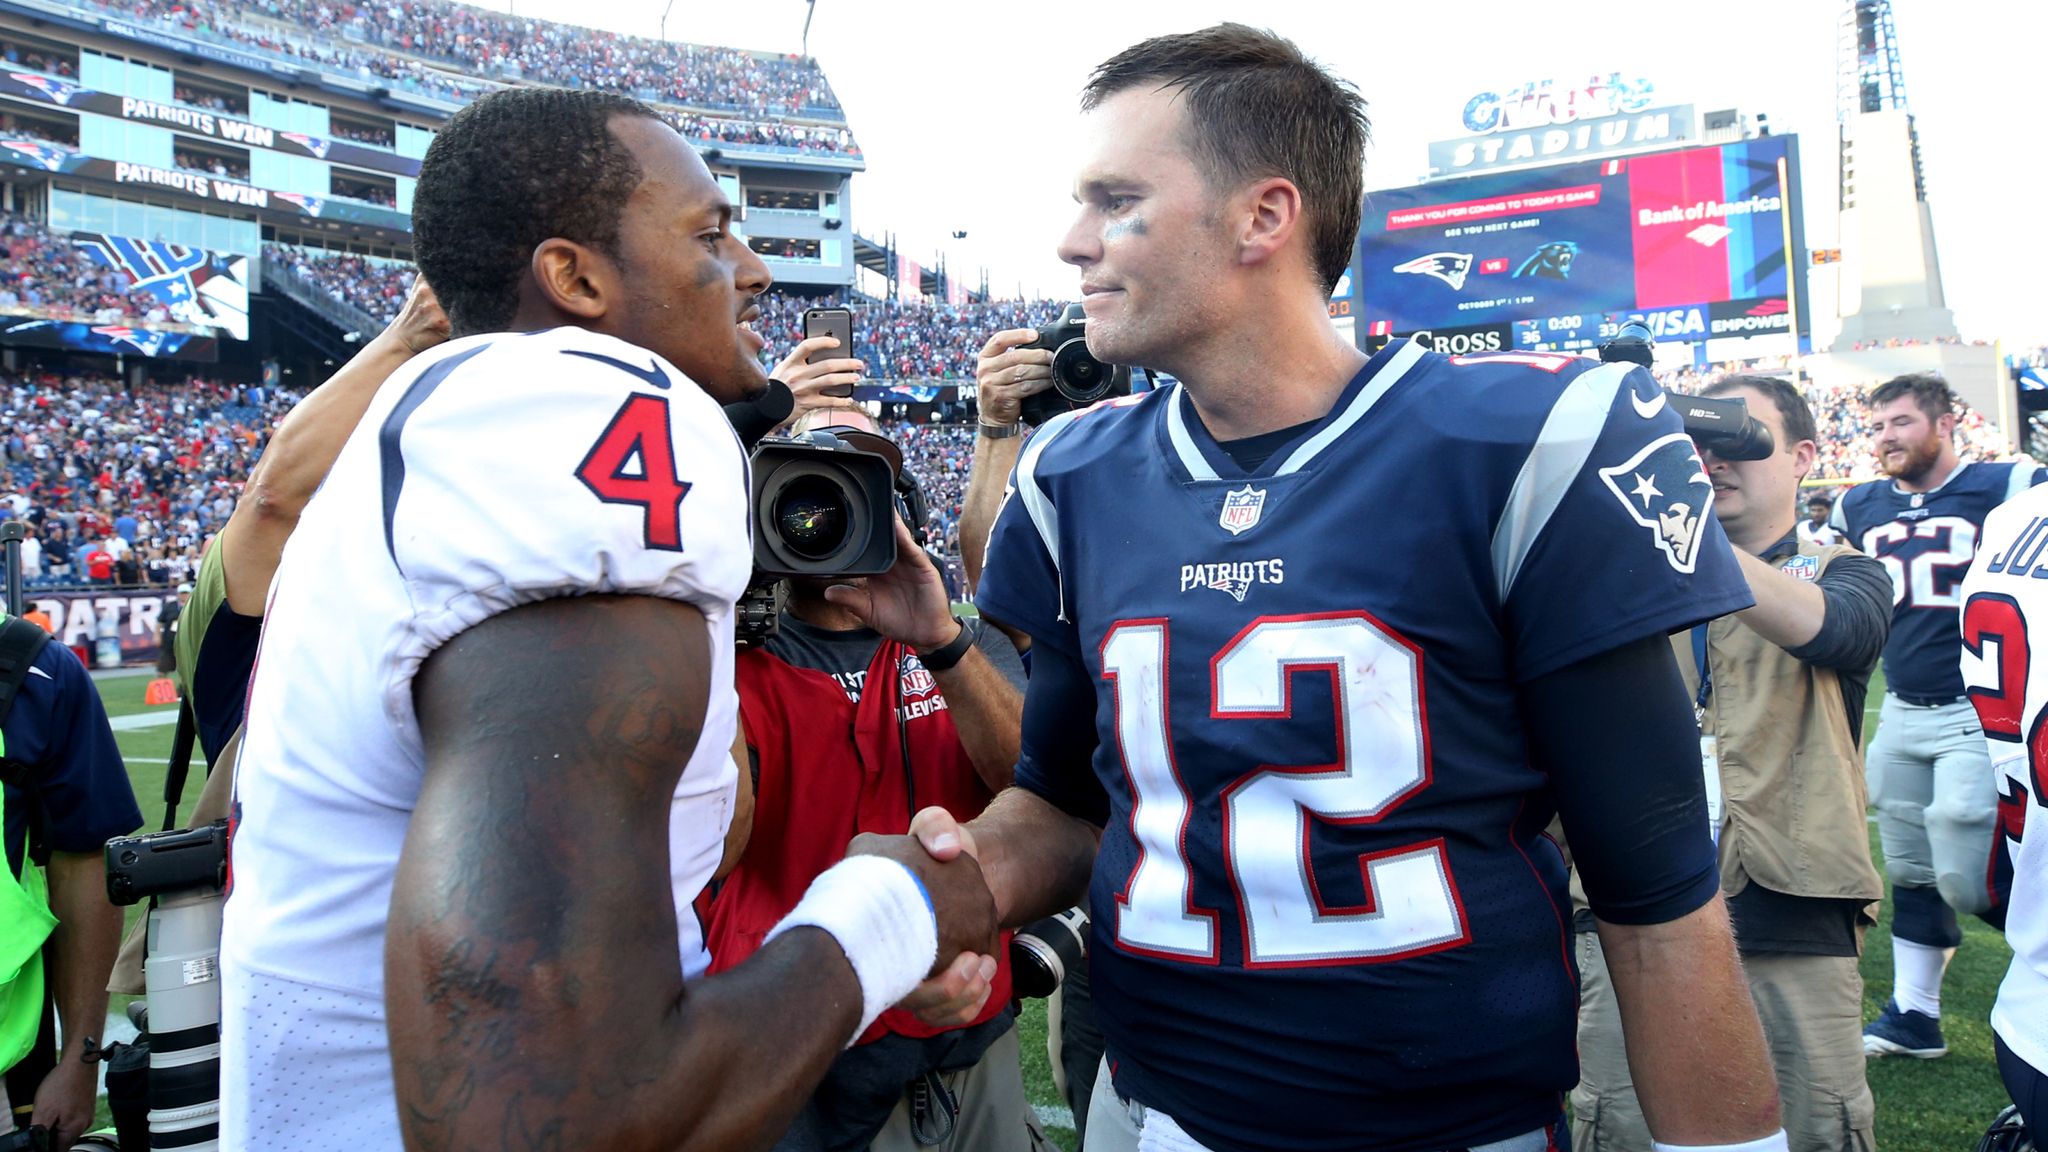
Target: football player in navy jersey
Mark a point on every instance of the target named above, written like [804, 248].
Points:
[1350, 631]
[1930, 774]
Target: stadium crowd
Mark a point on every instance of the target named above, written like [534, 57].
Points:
[43, 274]
[122, 485]
[152, 471]
[414, 42]
[375, 287]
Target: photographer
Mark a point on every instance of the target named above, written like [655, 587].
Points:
[65, 792]
[1780, 689]
[870, 702]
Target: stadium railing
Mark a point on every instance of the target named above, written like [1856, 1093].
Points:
[280, 275]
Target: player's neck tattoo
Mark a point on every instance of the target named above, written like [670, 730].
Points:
[1129, 226]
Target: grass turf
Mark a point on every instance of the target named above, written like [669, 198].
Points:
[1922, 1105]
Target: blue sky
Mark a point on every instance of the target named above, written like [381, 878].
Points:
[966, 110]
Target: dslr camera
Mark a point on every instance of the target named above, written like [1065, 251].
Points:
[1078, 378]
[1720, 424]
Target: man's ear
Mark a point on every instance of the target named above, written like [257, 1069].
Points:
[574, 278]
[1271, 213]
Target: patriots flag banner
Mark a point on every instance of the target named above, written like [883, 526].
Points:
[196, 286]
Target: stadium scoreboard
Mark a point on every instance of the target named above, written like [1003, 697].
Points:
[1703, 245]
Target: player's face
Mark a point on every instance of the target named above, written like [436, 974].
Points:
[1908, 443]
[689, 281]
[1755, 498]
[1147, 238]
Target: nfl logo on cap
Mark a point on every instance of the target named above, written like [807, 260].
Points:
[1241, 509]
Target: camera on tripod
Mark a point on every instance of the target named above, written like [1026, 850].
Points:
[1078, 378]
[184, 875]
[1720, 424]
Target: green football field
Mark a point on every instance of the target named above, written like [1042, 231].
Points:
[1925, 1106]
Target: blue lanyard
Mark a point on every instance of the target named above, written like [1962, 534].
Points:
[1699, 654]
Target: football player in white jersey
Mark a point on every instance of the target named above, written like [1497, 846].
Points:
[2005, 671]
[485, 766]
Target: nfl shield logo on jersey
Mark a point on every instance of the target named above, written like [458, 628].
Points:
[1241, 509]
[915, 679]
[1665, 489]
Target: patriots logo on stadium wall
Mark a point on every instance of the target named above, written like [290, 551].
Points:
[145, 341]
[314, 144]
[1665, 489]
[313, 205]
[58, 91]
[36, 154]
[1449, 267]
[1241, 510]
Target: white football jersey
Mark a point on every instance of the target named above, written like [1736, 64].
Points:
[2005, 666]
[491, 472]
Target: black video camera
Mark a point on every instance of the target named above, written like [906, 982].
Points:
[1720, 424]
[824, 504]
[160, 863]
[1078, 378]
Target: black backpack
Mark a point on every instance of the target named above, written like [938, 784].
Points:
[21, 641]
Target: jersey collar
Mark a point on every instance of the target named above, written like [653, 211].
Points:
[1202, 459]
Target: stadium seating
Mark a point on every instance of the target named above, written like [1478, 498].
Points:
[455, 52]
[86, 452]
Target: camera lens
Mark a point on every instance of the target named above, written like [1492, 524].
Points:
[813, 516]
[1079, 377]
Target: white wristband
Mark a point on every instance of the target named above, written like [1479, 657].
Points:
[882, 918]
[1775, 1142]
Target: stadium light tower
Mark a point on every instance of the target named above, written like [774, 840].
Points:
[1890, 278]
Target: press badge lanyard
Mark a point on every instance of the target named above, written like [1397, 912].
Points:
[1710, 760]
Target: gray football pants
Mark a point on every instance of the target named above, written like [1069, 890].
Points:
[1931, 782]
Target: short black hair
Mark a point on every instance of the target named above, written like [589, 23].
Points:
[1258, 107]
[1792, 408]
[1929, 390]
[511, 170]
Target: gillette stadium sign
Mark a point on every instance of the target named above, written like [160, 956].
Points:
[1541, 121]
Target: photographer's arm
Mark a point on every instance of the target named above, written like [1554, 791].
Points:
[1004, 375]
[908, 604]
[82, 950]
[304, 447]
[532, 975]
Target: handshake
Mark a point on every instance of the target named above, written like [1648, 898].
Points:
[941, 854]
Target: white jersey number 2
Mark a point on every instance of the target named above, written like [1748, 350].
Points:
[1411, 904]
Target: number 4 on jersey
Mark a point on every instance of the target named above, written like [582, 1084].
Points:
[634, 462]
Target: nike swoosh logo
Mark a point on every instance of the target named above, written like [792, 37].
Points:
[651, 374]
[1647, 408]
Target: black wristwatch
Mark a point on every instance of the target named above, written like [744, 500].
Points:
[946, 655]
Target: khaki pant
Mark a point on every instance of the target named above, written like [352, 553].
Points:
[1812, 1013]
[993, 1112]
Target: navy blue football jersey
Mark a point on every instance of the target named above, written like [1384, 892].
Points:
[1925, 540]
[1324, 913]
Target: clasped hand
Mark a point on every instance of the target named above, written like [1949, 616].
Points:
[942, 854]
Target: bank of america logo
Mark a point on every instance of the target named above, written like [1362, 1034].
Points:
[1707, 235]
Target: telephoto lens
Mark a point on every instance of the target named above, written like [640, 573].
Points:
[1042, 954]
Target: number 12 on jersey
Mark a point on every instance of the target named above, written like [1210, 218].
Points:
[1412, 905]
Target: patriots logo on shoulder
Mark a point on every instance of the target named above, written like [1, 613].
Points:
[1665, 489]
[1449, 267]
[1241, 509]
